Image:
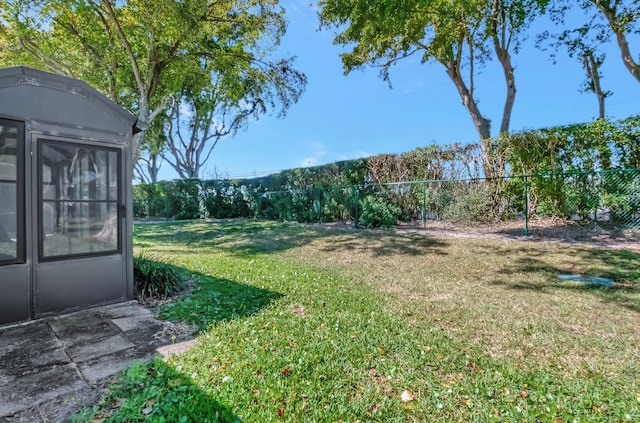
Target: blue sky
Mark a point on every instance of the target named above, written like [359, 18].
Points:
[345, 117]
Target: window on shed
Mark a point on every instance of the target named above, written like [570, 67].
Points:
[79, 195]
[11, 193]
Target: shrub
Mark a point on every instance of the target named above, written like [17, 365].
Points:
[184, 202]
[153, 278]
[378, 212]
[469, 204]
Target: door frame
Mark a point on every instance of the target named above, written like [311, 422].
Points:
[67, 283]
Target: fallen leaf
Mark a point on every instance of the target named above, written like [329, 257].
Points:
[147, 410]
[407, 395]
[374, 408]
[285, 371]
[523, 394]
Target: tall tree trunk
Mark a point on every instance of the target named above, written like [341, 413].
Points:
[505, 60]
[615, 25]
[592, 67]
[482, 124]
[501, 34]
[153, 168]
[501, 44]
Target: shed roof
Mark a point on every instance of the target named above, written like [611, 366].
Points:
[63, 99]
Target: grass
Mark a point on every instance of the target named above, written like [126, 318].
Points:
[307, 324]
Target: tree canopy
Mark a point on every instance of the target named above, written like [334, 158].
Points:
[461, 35]
[623, 19]
[599, 21]
[142, 53]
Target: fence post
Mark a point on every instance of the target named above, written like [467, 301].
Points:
[424, 206]
[526, 206]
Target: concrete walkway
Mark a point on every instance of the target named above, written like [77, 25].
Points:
[51, 368]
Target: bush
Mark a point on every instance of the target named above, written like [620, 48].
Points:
[153, 278]
[470, 204]
[378, 212]
[184, 202]
[149, 201]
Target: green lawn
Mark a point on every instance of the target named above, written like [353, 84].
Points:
[306, 324]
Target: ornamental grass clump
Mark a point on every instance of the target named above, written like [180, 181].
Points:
[153, 278]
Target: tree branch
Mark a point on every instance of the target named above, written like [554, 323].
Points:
[127, 46]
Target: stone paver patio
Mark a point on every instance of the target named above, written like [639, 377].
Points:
[51, 368]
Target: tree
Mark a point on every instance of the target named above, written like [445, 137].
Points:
[458, 34]
[150, 158]
[141, 52]
[592, 64]
[623, 17]
[605, 18]
[218, 101]
[582, 43]
[209, 117]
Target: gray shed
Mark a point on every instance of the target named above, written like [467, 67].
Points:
[65, 196]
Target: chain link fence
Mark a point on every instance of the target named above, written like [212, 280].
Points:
[607, 199]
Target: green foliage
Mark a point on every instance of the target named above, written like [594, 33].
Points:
[473, 206]
[183, 196]
[598, 145]
[617, 19]
[153, 278]
[156, 392]
[378, 212]
[429, 163]
[461, 35]
[145, 55]
[149, 200]
[460, 201]
[576, 149]
[321, 193]
[563, 165]
[225, 199]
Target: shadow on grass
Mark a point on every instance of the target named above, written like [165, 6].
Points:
[385, 243]
[214, 300]
[244, 237]
[159, 392]
[619, 265]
